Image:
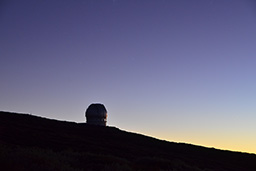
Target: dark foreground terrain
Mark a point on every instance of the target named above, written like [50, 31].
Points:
[33, 143]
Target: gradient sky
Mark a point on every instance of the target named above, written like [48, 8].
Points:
[178, 70]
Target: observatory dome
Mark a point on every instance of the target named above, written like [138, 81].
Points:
[96, 114]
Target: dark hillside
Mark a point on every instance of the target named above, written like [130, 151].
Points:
[33, 143]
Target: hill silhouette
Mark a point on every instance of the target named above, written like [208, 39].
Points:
[33, 143]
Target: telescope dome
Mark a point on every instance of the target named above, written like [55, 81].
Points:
[96, 114]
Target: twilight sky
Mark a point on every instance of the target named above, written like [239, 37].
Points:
[178, 70]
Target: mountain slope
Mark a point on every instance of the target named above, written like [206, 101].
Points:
[33, 143]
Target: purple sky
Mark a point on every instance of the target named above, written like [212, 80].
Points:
[178, 70]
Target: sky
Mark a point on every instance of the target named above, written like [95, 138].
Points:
[177, 70]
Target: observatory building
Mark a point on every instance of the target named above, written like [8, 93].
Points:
[96, 114]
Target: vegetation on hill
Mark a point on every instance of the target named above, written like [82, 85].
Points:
[33, 143]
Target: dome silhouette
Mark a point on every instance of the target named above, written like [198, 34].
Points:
[96, 114]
